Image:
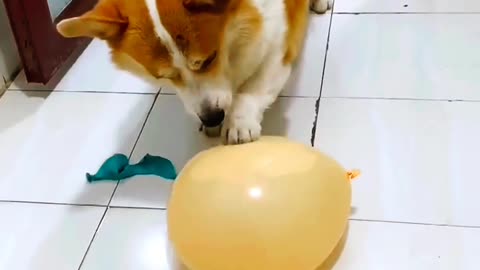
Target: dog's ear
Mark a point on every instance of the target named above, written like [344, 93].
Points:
[104, 21]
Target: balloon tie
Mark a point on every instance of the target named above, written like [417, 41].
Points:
[351, 175]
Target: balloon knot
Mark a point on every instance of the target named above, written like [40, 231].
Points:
[351, 175]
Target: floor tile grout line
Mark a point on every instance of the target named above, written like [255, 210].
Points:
[82, 92]
[136, 142]
[164, 209]
[80, 204]
[138, 207]
[403, 13]
[281, 96]
[93, 237]
[317, 102]
[366, 98]
[416, 223]
[53, 203]
[407, 99]
[144, 123]
[118, 182]
[292, 96]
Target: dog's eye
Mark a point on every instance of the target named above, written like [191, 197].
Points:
[182, 43]
[169, 74]
[159, 76]
[209, 61]
[193, 5]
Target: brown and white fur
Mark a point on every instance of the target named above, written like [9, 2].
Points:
[227, 59]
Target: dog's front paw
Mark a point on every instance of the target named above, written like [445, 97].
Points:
[320, 6]
[241, 130]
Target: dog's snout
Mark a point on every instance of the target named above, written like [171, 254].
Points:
[212, 117]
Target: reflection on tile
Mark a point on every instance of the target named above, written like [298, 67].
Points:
[416, 157]
[425, 56]
[137, 239]
[380, 246]
[45, 236]
[171, 133]
[407, 6]
[306, 77]
[132, 239]
[92, 72]
[49, 142]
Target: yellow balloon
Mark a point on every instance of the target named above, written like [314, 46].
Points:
[267, 205]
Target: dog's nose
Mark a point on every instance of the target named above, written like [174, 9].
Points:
[212, 117]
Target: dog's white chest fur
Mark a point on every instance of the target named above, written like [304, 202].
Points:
[246, 60]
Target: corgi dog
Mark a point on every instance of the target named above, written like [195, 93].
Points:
[227, 59]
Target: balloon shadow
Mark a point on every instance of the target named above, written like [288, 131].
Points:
[332, 259]
[173, 261]
[328, 264]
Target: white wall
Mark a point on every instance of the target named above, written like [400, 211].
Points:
[9, 59]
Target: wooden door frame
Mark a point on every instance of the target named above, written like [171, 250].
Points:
[42, 50]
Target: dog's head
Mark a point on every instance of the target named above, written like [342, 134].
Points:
[179, 42]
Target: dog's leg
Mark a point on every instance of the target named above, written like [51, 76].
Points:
[243, 123]
[320, 6]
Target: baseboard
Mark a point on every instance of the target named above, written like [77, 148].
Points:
[3, 85]
[2, 91]
[5, 82]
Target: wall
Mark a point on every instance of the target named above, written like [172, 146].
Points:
[9, 59]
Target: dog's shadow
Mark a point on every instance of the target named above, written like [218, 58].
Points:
[276, 120]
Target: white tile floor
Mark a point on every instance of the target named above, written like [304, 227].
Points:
[400, 100]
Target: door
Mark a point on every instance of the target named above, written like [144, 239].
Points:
[43, 51]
